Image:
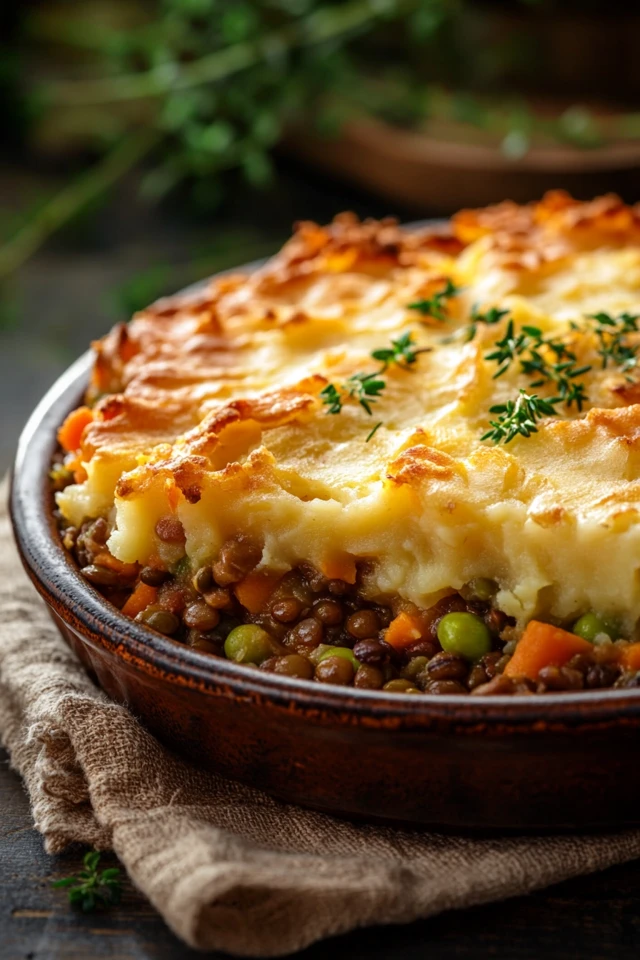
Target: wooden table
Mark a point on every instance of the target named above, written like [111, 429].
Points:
[593, 918]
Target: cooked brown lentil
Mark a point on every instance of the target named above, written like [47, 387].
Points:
[307, 635]
[335, 670]
[445, 686]
[237, 558]
[372, 652]
[398, 686]
[200, 616]
[447, 666]
[154, 576]
[368, 677]
[600, 675]
[101, 576]
[287, 610]
[290, 665]
[203, 580]
[561, 678]
[363, 624]
[306, 610]
[329, 612]
[162, 621]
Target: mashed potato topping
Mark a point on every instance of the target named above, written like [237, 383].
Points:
[209, 407]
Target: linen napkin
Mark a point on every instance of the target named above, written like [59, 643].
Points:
[228, 867]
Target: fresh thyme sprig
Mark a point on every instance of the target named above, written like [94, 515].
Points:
[548, 360]
[613, 344]
[402, 352]
[519, 417]
[534, 351]
[508, 349]
[366, 388]
[492, 316]
[434, 306]
[92, 888]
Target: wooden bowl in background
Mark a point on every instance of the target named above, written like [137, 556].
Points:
[437, 175]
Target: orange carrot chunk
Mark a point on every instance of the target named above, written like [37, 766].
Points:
[543, 645]
[630, 657]
[70, 433]
[254, 591]
[403, 631]
[342, 567]
[140, 599]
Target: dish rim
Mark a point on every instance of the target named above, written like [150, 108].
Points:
[80, 605]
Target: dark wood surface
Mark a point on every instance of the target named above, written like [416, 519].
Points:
[592, 918]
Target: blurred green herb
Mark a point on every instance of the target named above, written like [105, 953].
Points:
[613, 342]
[491, 316]
[92, 888]
[194, 88]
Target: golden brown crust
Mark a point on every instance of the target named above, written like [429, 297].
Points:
[211, 407]
[526, 237]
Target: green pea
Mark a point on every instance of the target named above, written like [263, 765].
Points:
[590, 625]
[248, 643]
[482, 588]
[464, 634]
[343, 652]
[182, 568]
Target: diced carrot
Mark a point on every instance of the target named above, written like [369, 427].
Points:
[543, 645]
[340, 567]
[254, 591]
[630, 656]
[70, 433]
[140, 599]
[403, 631]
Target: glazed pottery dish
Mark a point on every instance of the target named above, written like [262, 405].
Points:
[359, 525]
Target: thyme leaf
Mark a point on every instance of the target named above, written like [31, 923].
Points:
[543, 359]
[92, 888]
[435, 306]
[492, 316]
[402, 352]
[366, 388]
[613, 343]
[379, 424]
[519, 417]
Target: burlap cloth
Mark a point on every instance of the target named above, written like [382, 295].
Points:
[226, 866]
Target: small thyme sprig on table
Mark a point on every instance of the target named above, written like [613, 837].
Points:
[92, 888]
[533, 350]
[492, 316]
[518, 417]
[366, 388]
[434, 306]
[612, 338]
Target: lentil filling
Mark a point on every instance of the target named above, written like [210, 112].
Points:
[307, 626]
